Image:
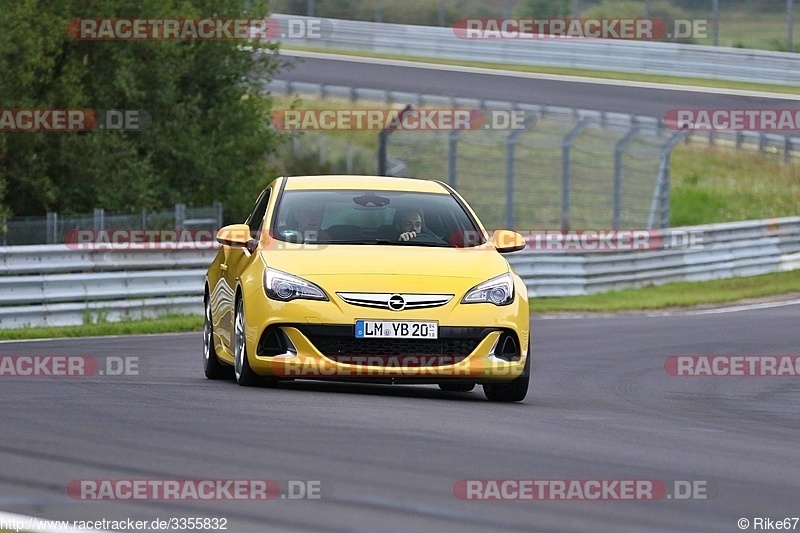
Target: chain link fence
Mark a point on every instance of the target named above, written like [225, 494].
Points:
[52, 228]
[561, 171]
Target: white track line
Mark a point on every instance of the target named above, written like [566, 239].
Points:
[538, 76]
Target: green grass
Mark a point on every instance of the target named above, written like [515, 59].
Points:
[567, 71]
[717, 184]
[682, 294]
[165, 324]
[766, 31]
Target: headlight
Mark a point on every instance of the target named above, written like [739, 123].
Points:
[284, 287]
[498, 291]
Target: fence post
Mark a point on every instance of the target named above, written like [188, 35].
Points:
[383, 140]
[566, 144]
[349, 169]
[452, 158]
[621, 146]
[789, 22]
[50, 228]
[787, 148]
[144, 218]
[99, 219]
[5, 231]
[180, 215]
[661, 193]
[511, 144]
[217, 206]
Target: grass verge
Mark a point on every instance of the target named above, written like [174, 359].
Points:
[682, 294]
[565, 71]
[165, 324]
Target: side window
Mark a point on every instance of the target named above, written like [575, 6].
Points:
[256, 218]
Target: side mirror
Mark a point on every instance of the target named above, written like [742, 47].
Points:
[507, 241]
[237, 235]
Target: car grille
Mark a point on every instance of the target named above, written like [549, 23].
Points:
[340, 344]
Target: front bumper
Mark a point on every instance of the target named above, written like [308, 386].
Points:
[322, 344]
[327, 352]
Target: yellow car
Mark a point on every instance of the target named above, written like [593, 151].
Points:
[366, 278]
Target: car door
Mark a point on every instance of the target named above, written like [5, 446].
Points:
[234, 260]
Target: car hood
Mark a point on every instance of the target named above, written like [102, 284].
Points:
[479, 263]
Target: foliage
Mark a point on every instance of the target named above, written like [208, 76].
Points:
[207, 137]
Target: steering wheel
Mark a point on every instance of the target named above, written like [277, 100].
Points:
[426, 237]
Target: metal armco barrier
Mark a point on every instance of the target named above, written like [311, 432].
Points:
[604, 54]
[56, 285]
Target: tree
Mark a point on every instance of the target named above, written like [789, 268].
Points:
[208, 133]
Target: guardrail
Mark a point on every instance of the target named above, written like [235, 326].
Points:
[598, 54]
[727, 250]
[57, 285]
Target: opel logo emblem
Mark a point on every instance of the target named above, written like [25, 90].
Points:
[396, 302]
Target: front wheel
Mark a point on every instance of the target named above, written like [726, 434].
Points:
[244, 374]
[211, 365]
[513, 391]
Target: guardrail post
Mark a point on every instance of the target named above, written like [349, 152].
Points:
[5, 231]
[661, 193]
[618, 150]
[565, 171]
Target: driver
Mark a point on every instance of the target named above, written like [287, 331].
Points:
[409, 224]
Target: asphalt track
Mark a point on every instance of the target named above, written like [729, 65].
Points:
[621, 97]
[601, 406]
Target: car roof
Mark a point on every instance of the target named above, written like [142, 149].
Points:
[373, 183]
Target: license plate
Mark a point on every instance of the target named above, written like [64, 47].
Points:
[396, 329]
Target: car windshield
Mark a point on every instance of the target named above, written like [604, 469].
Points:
[374, 218]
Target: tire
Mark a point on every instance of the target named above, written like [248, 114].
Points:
[242, 371]
[512, 391]
[456, 387]
[212, 366]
